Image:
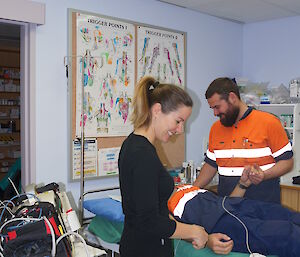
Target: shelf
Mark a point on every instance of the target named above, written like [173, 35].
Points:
[13, 133]
[10, 92]
[9, 118]
[10, 50]
[9, 145]
[277, 105]
[6, 105]
[2, 77]
[8, 159]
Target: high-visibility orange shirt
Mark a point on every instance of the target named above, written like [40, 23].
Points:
[258, 138]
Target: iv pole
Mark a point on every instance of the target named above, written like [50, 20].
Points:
[83, 60]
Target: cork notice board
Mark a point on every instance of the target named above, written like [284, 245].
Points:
[107, 56]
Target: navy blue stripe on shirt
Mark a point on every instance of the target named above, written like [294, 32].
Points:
[210, 162]
[285, 156]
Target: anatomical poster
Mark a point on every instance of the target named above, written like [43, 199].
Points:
[160, 53]
[105, 76]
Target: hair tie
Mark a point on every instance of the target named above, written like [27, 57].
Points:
[154, 85]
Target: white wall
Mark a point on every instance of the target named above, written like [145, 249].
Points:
[272, 51]
[214, 48]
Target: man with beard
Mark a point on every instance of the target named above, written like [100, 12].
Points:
[243, 137]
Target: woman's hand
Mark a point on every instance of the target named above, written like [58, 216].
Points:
[220, 243]
[199, 237]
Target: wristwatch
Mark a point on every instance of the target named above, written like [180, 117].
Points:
[242, 186]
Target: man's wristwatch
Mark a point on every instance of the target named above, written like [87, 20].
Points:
[242, 186]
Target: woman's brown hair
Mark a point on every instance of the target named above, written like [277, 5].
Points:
[148, 92]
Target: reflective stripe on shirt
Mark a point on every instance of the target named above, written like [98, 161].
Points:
[243, 153]
[178, 211]
[287, 147]
[237, 171]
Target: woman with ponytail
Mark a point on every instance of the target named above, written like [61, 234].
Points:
[159, 112]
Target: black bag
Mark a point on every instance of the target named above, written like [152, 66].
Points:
[34, 239]
[296, 180]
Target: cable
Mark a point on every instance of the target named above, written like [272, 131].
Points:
[247, 233]
[79, 236]
[15, 219]
[8, 209]
[10, 201]
[175, 250]
[53, 251]
[25, 194]
[12, 183]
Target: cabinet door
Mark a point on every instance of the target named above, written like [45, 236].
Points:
[290, 198]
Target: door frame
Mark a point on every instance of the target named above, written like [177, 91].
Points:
[28, 103]
[28, 15]
[27, 100]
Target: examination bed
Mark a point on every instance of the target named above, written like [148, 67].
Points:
[107, 225]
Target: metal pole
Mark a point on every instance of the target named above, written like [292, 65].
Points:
[84, 58]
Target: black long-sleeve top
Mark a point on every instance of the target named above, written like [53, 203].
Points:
[145, 189]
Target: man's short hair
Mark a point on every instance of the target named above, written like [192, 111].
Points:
[222, 86]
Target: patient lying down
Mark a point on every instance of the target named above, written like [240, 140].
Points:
[271, 228]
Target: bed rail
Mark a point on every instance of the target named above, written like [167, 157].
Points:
[81, 199]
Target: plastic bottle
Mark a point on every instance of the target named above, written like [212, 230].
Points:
[191, 171]
[184, 167]
[198, 169]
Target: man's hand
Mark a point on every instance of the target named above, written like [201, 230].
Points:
[244, 180]
[256, 174]
[220, 243]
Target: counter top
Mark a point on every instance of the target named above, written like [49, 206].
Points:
[289, 184]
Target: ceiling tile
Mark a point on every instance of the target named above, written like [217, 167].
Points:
[244, 11]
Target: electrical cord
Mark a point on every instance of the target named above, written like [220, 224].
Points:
[15, 219]
[175, 250]
[8, 201]
[8, 209]
[11, 201]
[231, 214]
[53, 250]
[12, 183]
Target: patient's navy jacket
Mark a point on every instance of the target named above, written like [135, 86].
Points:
[273, 229]
[145, 188]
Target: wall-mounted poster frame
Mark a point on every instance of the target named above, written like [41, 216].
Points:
[106, 58]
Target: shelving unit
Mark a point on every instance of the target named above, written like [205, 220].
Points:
[289, 114]
[10, 147]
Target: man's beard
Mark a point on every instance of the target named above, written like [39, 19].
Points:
[229, 118]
